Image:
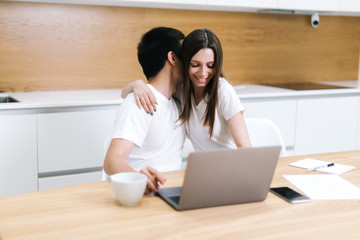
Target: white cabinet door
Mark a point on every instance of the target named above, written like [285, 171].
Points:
[245, 3]
[310, 5]
[68, 180]
[167, 1]
[326, 125]
[281, 112]
[350, 5]
[73, 140]
[18, 155]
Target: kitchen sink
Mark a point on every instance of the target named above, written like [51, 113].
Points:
[7, 99]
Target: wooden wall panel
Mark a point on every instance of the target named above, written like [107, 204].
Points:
[63, 46]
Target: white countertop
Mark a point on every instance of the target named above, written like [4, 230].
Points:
[261, 91]
[78, 98]
[63, 98]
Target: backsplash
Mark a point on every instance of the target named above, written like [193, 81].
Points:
[46, 46]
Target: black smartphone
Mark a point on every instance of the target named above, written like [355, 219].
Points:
[289, 195]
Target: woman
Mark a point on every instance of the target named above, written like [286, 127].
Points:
[212, 112]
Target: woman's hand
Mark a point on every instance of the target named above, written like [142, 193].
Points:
[144, 97]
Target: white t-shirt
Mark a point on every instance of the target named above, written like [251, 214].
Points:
[158, 139]
[228, 105]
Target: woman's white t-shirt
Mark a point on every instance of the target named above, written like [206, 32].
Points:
[228, 105]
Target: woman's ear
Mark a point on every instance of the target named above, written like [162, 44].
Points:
[171, 58]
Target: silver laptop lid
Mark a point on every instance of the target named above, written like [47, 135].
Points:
[228, 177]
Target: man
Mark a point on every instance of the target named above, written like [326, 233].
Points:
[148, 143]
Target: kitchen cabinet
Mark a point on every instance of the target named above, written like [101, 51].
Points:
[305, 5]
[68, 180]
[338, 6]
[73, 140]
[53, 143]
[281, 112]
[349, 6]
[18, 154]
[245, 3]
[326, 124]
[310, 5]
[167, 1]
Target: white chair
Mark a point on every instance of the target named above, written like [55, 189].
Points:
[187, 149]
[107, 142]
[263, 132]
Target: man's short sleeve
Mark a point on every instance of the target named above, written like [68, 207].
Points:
[131, 123]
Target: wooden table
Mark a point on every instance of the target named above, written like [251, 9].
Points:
[90, 211]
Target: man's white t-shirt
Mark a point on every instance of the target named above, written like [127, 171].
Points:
[158, 139]
[228, 105]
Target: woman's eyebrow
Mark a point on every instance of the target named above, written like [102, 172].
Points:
[198, 61]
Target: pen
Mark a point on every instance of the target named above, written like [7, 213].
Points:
[322, 166]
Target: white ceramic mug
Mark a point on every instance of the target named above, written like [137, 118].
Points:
[128, 187]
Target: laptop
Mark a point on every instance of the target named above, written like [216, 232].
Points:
[224, 177]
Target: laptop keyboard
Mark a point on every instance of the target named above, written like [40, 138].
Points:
[175, 199]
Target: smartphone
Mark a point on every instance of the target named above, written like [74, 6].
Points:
[289, 195]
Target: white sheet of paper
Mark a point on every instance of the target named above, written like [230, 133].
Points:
[324, 186]
[309, 163]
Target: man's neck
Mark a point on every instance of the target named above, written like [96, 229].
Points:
[163, 85]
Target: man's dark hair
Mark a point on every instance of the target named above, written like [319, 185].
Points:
[154, 47]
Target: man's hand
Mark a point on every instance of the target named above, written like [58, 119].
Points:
[154, 178]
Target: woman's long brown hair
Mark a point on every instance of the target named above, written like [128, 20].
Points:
[194, 42]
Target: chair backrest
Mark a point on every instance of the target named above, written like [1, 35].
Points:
[264, 132]
[107, 142]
